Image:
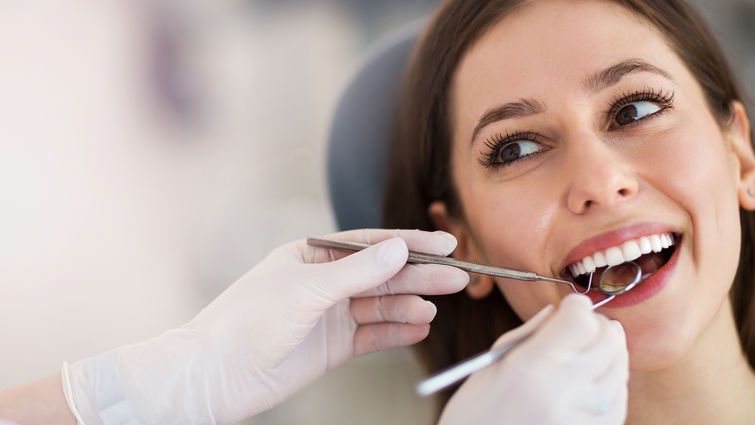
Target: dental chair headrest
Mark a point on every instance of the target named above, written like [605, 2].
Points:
[360, 136]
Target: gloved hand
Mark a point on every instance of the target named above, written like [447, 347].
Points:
[573, 370]
[297, 314]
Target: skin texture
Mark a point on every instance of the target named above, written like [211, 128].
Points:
[39, 402]
[679, 168]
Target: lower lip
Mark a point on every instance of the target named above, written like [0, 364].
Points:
[643, 290]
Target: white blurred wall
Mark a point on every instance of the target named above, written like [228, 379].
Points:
[122, 215]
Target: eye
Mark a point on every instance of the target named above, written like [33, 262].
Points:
[505, 150]
[635, 112]
[637, 106]
[514, 151]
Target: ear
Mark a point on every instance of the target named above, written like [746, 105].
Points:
[479, 285]
[740, 143]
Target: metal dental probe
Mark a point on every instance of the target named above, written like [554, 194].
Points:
[453, 374]
[468, 266]
[459, 371]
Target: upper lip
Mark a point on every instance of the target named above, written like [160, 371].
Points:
[613, 238]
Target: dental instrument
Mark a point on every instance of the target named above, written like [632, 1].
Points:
[455, 373]
[507, 273]
[459, 371]
[468, 266]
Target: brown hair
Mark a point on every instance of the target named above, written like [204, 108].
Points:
[420, 162]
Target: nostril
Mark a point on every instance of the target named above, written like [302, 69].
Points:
[624, 192]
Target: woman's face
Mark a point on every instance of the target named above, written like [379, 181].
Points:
[576, 130]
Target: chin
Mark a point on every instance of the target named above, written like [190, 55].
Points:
[658, 347]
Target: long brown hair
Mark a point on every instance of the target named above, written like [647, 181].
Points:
[420, 161]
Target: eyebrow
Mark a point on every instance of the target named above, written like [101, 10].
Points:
[595, 82]
[614, 73]
[522, 108]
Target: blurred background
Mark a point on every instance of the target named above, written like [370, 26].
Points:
[151, 152]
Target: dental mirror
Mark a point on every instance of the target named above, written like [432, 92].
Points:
[615, 280]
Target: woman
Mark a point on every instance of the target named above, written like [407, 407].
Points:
[549, 135]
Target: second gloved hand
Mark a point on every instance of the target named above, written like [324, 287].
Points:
[574, 369]
[297, 314]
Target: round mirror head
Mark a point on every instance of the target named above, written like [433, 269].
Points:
[618, 279]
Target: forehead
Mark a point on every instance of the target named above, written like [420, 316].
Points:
[548, 46]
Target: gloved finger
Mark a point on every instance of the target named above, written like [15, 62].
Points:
[382, 336]
[358, 272]
[392, 308]
[436, 243]
[602, 396]
[527, 328]
[608, 349]
[588, 401]
[424, 279]
[617, 412]
[613, 383]
[572, 327]
[614, 380]
[574, 404]
[594, 405]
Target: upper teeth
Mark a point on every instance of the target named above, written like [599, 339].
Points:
[628, 251]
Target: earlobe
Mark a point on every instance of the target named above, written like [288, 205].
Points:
[480, 286]
[740, 142]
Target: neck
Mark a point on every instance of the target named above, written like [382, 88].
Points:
[712, 383]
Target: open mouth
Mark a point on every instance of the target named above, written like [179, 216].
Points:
[650, 252]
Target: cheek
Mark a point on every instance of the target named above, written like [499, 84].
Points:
[498, 230]
[699, 182]
[506, 236]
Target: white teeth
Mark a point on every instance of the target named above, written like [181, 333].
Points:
[631, 250]
[614, 256]
[655, 242]
[645, 246]
[600, 259]
[589, 264]
[628, 251]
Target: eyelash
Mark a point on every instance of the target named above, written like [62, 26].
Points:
[496, 143]
[664, 100]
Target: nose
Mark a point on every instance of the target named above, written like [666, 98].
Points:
[600, 178]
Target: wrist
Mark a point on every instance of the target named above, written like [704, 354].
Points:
[157, 381]
[40, 402]
[94, 392]
[68, 394]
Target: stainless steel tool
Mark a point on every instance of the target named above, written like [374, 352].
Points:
[453, 374]
[420, 258]
[459, 371]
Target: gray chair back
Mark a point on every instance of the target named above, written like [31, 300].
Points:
[360, 135]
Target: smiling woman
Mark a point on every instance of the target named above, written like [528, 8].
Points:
[566, 136]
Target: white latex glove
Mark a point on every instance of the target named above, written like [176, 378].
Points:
[297, 314]
[573, 370]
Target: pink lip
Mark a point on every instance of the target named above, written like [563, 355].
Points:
[645, 289]
[614, 238]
